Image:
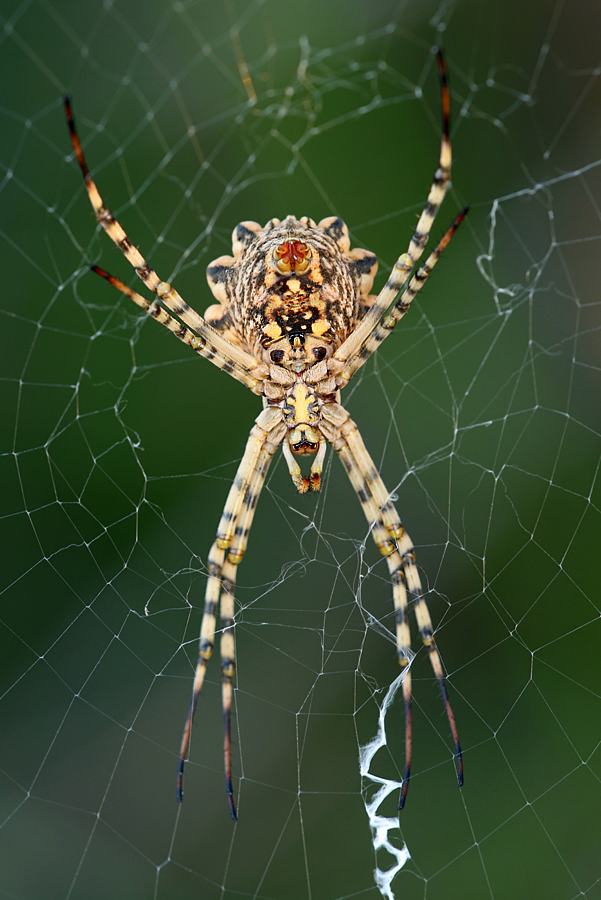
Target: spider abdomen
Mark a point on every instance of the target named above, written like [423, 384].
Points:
[293, 291]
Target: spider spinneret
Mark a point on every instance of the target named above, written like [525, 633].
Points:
[292, 256]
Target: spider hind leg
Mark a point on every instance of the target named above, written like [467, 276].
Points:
[395, 544]
[225, 556]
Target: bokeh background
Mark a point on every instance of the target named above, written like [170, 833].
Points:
[117, 447]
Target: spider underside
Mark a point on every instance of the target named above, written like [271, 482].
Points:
[293, 321]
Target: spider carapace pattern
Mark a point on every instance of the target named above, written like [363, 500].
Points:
[294, 320]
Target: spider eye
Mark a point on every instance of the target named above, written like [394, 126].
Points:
[319, 352]
[277, 355]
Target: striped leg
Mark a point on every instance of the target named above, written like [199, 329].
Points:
[385, 326]
[224, 557]
[158, 313]
[212, 345]
[357, 348]
[394, 543]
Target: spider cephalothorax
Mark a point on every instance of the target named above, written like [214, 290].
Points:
[294, 320]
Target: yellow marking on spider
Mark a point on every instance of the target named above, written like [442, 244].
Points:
[316, 275]
[273, 331]
[320, 327]
[301, 406]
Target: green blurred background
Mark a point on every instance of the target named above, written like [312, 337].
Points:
[117, 448]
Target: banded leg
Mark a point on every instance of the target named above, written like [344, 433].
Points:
[393, 542]
[385, 326]
[355, 344]
[156, 312]
[224, 557]
[212, 345]
[385, 537]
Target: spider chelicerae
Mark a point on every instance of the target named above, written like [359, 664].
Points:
[294, 320]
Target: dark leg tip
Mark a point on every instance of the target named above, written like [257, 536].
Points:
[459, 769]
[404, 789]
[231, 804]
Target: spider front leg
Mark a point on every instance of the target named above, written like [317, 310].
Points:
[354, 344]
[195, 331]
[380, 319]
[394, 543]
[224, 557]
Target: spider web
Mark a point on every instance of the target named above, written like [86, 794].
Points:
[118, 447]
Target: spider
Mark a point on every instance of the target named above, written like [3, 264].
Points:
[294, 320]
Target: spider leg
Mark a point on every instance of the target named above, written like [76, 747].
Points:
[224, 557]
[161, 315]
[385, 326]
[213, 346]
[395, 544]
[358, 348]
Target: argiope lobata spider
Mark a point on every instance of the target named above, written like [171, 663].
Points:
[294, 320]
